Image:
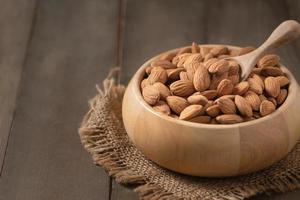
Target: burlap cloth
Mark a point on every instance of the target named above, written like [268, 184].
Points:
[103, 135]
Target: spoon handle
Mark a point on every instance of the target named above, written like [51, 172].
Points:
[286, 32]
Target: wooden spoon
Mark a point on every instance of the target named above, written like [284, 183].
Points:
[286, 32]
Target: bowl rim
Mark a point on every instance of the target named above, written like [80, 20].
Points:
[137, 78]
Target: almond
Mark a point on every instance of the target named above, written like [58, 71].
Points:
[210, 94]
[190, 112]
[262, 97]
[213, 110]
[180, 59]
[209, 103]
[191, 69]
[201, 79]
[162, 107]
[209, 62]
[282, 96]
[184, 50]
[241, 88]
[229, 119]
[273, 100]
[144, 83]
[216, 79]
[259, 80]
[208, 57]
[150, 94]
[195, 48]
[182, 88]
[167, 56]
[163, 90]
[157, 74]
[197, 99]
[226, 105]
[256, 71]
[270, 60]
[225, 87]
[246, 119]
[246, 50]
[255, 86]
[193, 58]
[272, 86]
[243, 106]
[235, 79]
[271, 71]
[166, 64]
[228, 96]
[183, 76]
[219, 67]
[204, 51]
[253, 99]
[234, 68]
[266, 107]
[219, 50]
[177, 104]
[201, 119]
[173, 74]
[283, 80]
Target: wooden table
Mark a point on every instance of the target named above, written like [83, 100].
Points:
[52, 53]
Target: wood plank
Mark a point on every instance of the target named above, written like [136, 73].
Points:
[73, 48]
[162, 25]
[16, 17]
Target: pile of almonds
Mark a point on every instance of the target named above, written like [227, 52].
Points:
[197, 84]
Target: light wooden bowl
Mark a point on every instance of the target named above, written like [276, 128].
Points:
[206, 149]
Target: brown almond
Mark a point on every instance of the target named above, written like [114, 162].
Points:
[282, 96]
[259, 80]
[219, 67]
[163, 90]
[272, 86]
[179, 60]
[245, 50]
[166, 64]
[208, 57]
[162, 107]
[190, 112]
[228, 96]
[271, 71]
[283, 80]
[234, 68]
[262, 97]
[195, 48]
[201, 119]
[209, 62]
[266, 107]
[182, 88]
[273, 100]
[241, 88]
[219, 50]
[225, 87]
[210, 94]
[253, 99]
[243, 106]
[255, 86]
[183, 76]
[216, 79]
[157, 74]
[167, 56]
[193, 58]
[150, 94]
[201, 79]
[177, 104]
[204, 50]
[144, 83]
[226, 105]
[213, 110]
[173, 74]
[256, 71]
[229, 119]
[197, 99]
[191, 69]
[184, 50]
[270, 60]
[235, 79]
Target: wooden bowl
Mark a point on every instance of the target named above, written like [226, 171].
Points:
[206, 149]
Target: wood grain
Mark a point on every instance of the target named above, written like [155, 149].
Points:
[72, 49]
[16, 18]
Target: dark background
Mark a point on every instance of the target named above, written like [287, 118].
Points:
[52, 53]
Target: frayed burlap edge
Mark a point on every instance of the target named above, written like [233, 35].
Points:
[94, 134]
